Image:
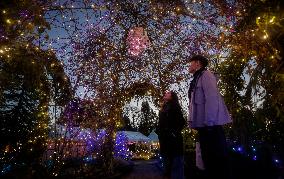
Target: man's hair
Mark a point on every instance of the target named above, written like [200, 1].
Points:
[203, 60]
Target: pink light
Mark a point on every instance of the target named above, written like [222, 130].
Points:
[137, 41]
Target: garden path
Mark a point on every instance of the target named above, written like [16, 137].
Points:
[145, 169]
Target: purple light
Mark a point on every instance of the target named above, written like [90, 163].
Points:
[25, 14]
[254, 157]
[276, 160]
[239, 149]
[2, 34]
[121, 150]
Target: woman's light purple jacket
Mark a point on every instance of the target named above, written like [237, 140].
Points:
[207, 107]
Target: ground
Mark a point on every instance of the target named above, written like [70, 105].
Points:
[145, 169]
[240, 168]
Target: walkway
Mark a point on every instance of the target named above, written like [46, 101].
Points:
[145, 170]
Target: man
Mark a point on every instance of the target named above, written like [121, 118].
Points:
[207, 114]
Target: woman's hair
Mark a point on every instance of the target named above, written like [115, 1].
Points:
[174, 102]
[174, 99]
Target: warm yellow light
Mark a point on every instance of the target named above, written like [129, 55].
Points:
[8, 21]
[265, 36]
[4, 12]
[272, 19]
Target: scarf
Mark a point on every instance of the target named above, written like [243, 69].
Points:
[193, 82]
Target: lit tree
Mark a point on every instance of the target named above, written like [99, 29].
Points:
[30, 79]
[26, 91]
[251, 75]
[114, 50]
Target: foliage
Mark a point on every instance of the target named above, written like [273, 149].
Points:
[126, 124]
[148, 119]
[93, 46]
[27, 79]
[251, 76]
[243, 39]
[30, 79]
[81, 112]
[22, 20]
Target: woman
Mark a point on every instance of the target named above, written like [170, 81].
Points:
[170, 124]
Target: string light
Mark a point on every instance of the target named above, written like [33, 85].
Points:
[265, 36]
[137, 46]
[272, 20]
[8, 21]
